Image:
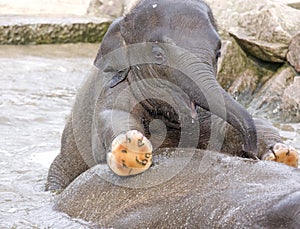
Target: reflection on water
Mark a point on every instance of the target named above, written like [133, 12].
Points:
[37, 87]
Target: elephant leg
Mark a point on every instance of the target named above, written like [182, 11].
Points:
[272, 147]
[129, 152]
[68, 164]
[270, 144]
[282, 153]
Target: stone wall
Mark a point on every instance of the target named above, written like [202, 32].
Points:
[47, 30]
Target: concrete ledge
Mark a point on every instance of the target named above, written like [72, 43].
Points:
[51, 30]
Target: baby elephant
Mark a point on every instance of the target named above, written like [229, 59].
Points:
[155, 87]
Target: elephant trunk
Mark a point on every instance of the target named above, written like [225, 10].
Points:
[204, 91]
[239, 118]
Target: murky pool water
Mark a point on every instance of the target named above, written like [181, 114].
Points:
[37, 88]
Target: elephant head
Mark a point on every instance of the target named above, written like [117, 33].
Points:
[180, 38]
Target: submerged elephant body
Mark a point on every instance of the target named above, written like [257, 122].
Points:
[154, 88]
[212, 191]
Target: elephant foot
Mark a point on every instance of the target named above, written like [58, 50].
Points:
[131, 154]
[283, 154]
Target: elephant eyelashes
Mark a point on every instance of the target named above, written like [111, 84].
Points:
[118, 77]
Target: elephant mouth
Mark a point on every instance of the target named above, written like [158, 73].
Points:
[195, 109]
[194, 113]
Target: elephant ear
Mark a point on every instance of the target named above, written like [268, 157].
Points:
[111, 56]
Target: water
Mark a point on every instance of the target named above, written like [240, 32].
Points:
[37, 87]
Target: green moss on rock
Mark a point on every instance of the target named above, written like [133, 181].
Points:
[50, 31]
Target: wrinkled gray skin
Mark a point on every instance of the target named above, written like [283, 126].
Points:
[182, 49]
[213, 191]
[115, 98]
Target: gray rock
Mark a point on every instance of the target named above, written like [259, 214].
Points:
[267, 33]
[263, 28]
[109, 8]
[227, 13]
[295, 5]
[268, 91]
[291, 101]
[50, 30]
[261, 49]
[268, 102]
[241, 76]
[293, 55]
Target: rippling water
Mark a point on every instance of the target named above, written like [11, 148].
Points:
[37, 88]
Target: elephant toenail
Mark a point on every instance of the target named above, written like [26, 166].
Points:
[140, 143]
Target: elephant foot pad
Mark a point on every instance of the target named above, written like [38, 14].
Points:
[283, 154]
[131, 154]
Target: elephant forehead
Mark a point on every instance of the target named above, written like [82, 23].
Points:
[185, 14]
[156, 20]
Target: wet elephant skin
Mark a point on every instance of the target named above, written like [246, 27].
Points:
[190, 188]
[212, 191]
[125, 92]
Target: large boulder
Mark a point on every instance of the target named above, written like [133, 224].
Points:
[268, 102]
[267, 33]
[109, 8]
[227, 13]
[240, 75]
[254, 69]
[268, 89]
[291, 101]
[295, 5]
[20, 30]
[293, 55]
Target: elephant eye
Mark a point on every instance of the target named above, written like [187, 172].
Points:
[158, 54]
[218, 55]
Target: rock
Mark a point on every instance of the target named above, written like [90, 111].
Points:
[260, 49]
[293, 55]
[228, 12]
[291, 102]
[239, 75]
[295, 5]
[50, 30]
[268, 102]
[109, 8]
[263, 28]
[292, 3]
[38, 7]
[267, 33]
[228, 71]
